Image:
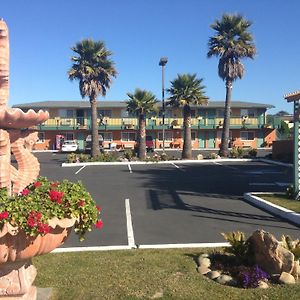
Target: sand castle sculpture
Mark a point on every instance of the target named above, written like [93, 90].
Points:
[13, 138]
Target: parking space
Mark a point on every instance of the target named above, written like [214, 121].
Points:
[175, 203]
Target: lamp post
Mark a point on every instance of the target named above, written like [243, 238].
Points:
[162, 62]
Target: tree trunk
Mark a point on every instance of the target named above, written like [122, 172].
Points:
[226, 122]
[95, 136]
[187, 142]
[142, 137]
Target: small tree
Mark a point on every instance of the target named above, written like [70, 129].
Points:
[186, 90]
[141, 103]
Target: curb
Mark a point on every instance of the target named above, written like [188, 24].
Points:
[274, 162]
[159, 162]
[277, 210]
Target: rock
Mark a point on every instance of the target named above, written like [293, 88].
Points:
[204, 255]
[269, 254]
[213, 274]
[226, 280]
[286, 278]
[204, 261]
[262, 285]
[296, 270]
[203, 269]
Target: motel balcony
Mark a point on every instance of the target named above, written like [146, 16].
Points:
[59, 123]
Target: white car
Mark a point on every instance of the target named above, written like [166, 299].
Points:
[69, 146]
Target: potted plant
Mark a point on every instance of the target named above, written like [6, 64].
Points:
[36, 221]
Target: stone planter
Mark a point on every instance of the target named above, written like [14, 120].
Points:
[16, 250]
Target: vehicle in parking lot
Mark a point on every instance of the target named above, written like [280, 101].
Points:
[149, 144]
[88, 142]
[69, 146]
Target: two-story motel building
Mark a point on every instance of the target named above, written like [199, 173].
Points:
[72, 121]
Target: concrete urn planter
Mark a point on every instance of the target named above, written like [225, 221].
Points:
[17, 272]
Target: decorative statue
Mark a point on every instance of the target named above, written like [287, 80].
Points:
[12, 138]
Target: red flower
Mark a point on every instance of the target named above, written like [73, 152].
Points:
[99, 224]
[81, 203]
[43, 228]
[98, 208]
[54, 184]
[37, 184]
[31, 222]
[25, 192]
[4, 215]
[56, 196]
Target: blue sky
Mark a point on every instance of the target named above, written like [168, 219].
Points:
[139, 32]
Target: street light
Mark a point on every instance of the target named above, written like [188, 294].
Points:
[162, 62]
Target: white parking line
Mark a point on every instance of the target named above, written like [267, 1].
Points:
[225, 166]
[178, 167]
[282, 183]
[130, 234]
[262, 183]
[80, 169]
[129, 167]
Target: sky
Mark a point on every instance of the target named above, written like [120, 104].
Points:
[139, 32]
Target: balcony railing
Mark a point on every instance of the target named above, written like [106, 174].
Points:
[155, 123]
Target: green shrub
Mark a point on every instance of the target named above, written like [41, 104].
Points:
[84, 157]
[213, 155]
[233, 152]
[290, 191]
[71, 158]
[252, 152]
[129, 154]
[164, 157]
[240, 152]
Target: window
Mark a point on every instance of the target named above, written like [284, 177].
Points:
[66, 113]
[107, 136]
[250, 113]
[69, 136]
[220, 113]
[128, 136]
[103, 113]
[247, 135]
[41, 137]
[193, 135]
[168, 136]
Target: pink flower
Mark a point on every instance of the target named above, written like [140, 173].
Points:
[98, 208]
[99, 224]
[25, 192]
[4, 215]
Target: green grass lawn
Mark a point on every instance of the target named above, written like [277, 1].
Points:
[139, 274]
[283, 201]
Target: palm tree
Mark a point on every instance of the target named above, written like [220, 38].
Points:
[94, 70]
[185, 90]
[232, 42]
[141, 103]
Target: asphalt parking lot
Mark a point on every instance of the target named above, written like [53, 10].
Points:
[174, 203]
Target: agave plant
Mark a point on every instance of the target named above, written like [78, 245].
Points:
[239, 245]
[292, 245]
